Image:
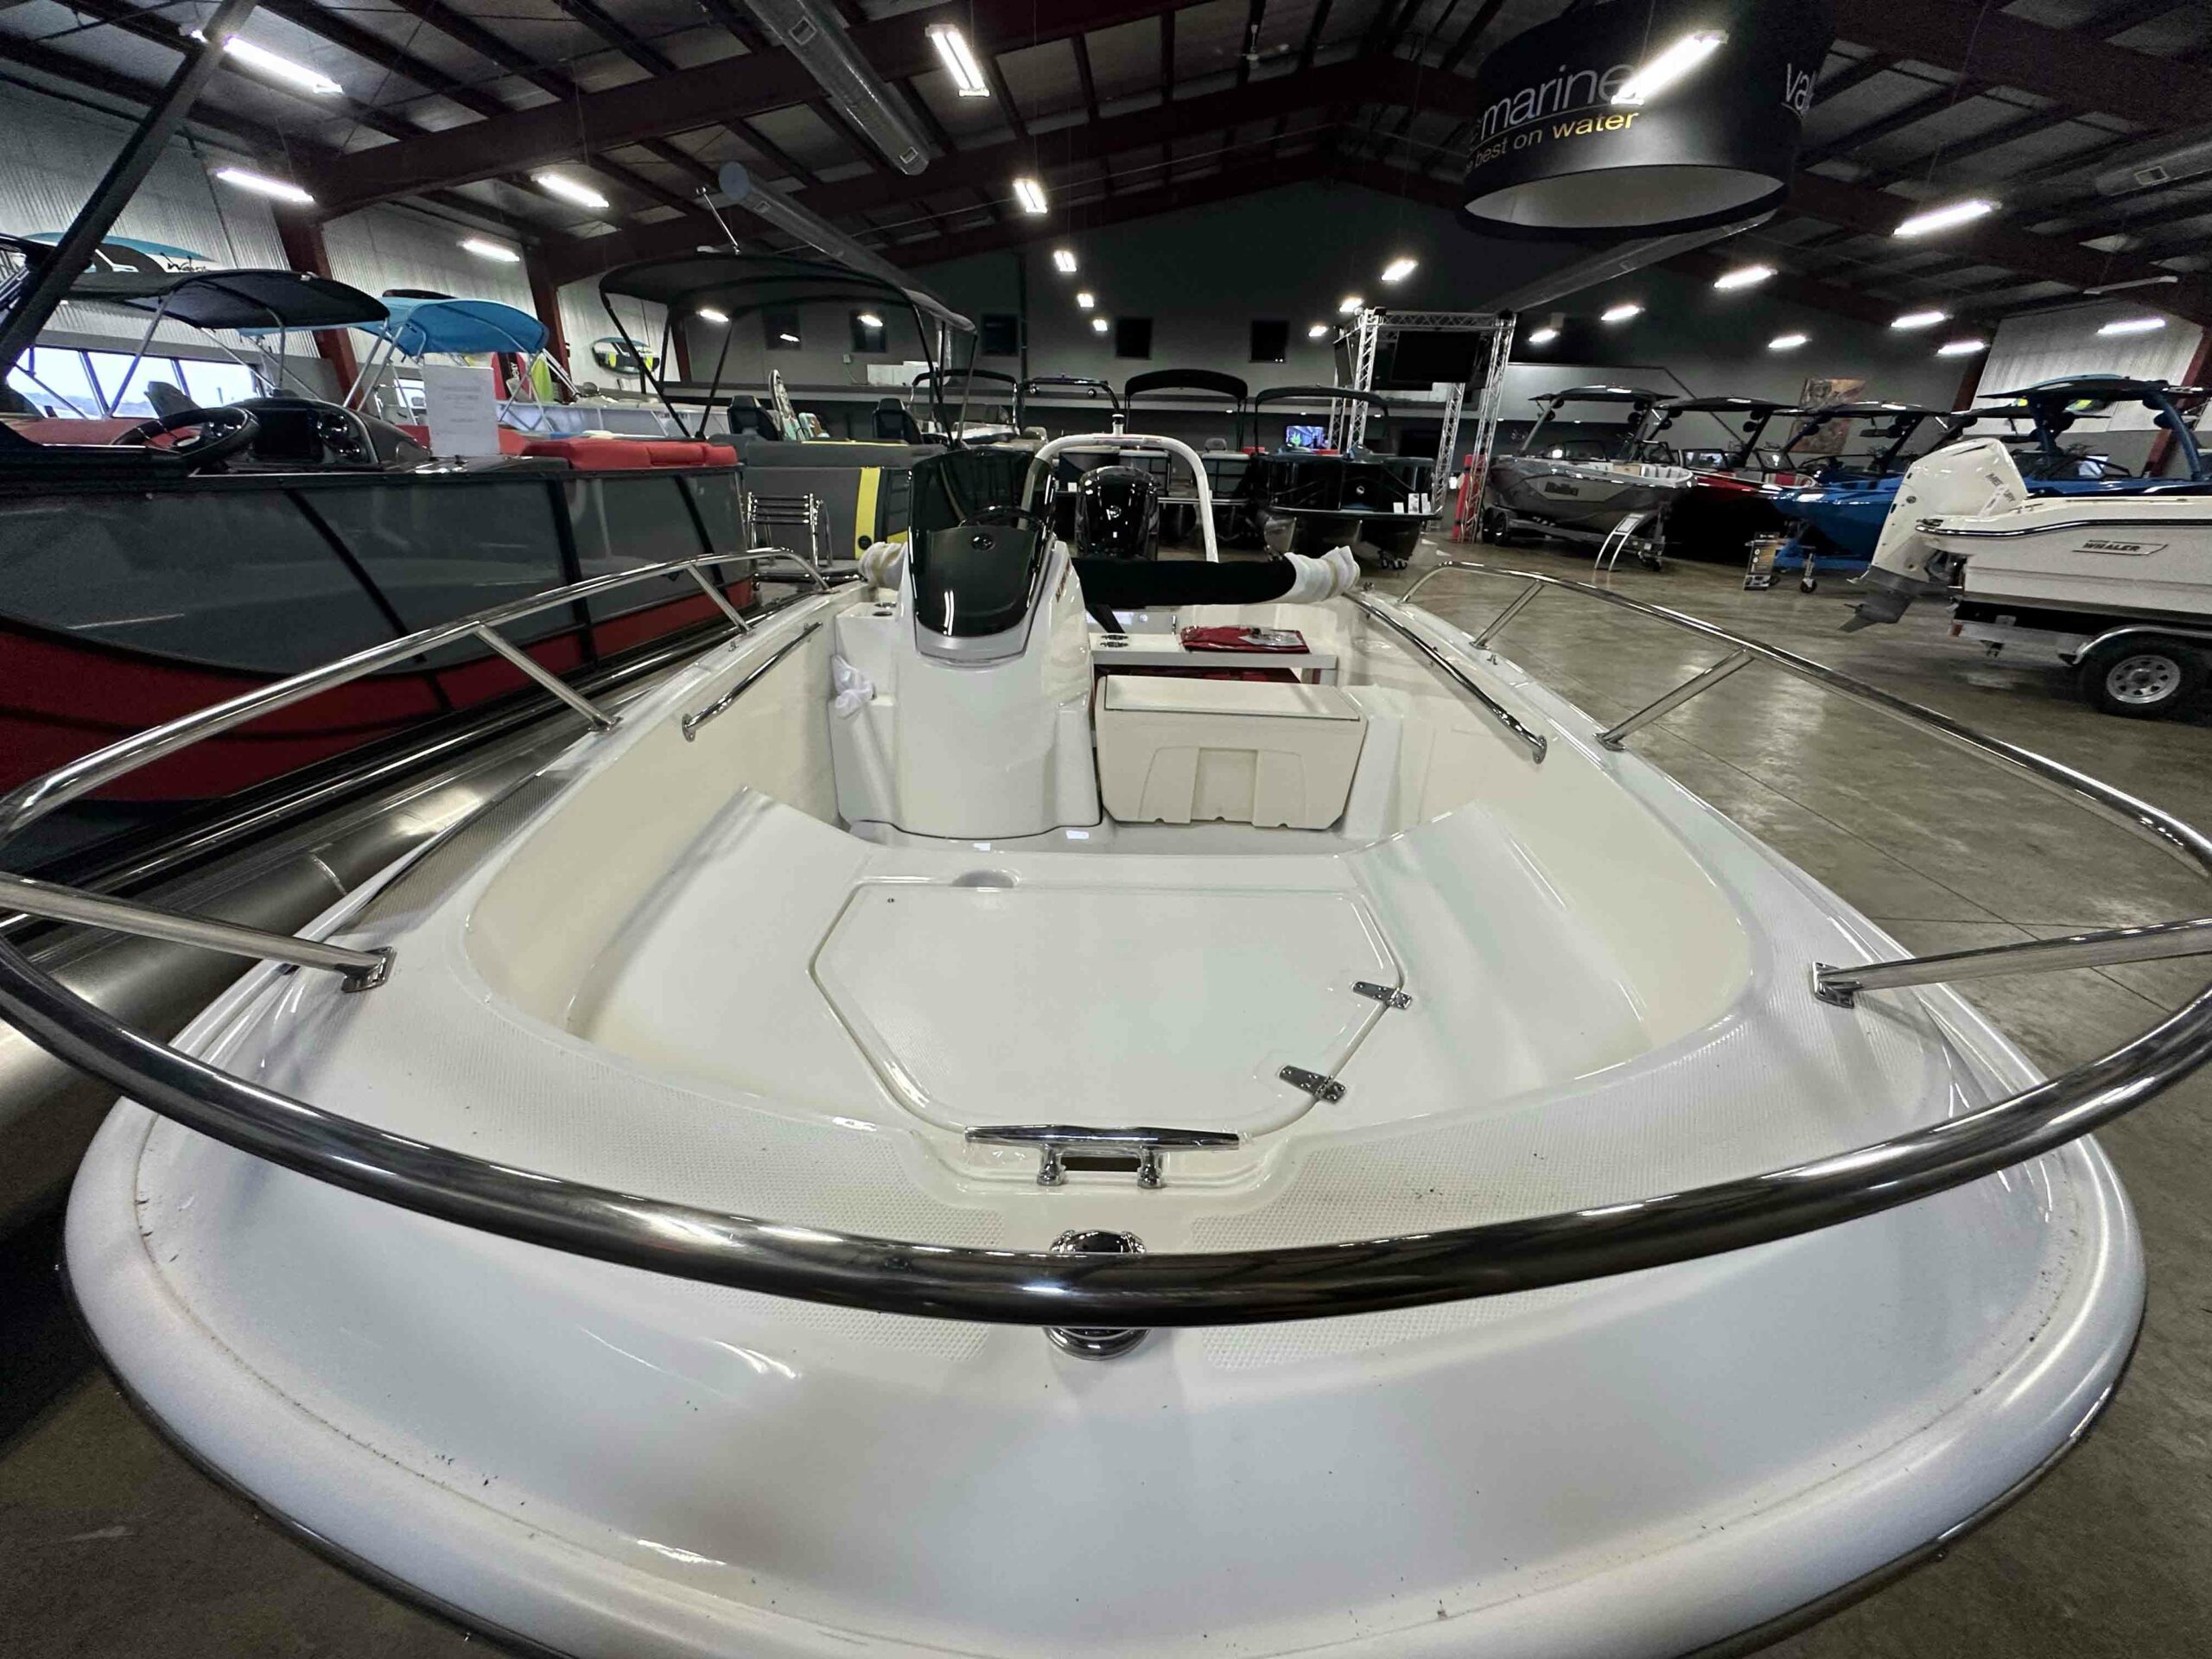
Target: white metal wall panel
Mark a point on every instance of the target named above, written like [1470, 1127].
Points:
[2050, 344]
[382, 248]
[57, 152]
[583, 319]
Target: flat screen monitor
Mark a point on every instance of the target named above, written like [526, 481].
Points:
[1415, 359]
[1306, 438]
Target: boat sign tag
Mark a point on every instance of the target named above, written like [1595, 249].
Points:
[462, 412]
[2132, 549]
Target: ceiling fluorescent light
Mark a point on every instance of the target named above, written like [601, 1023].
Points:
[1943, 218]
[1671, 65]
[1542, 336]
[484, 250]
[1350, 304]
[1921, 319]
[1961, 347]
[1621, 312]
[1787, 342]
[284, 69]
[959, 62]
[1317, 330]
[1400, 268]
[2133, 326]
[1085, 300]
[1030, 194]
[793, 339]
[1743, 277]
[707, 314]
[1099, 325]
[569, 189]
[1064, 261]
[869, 319]
[263, 186]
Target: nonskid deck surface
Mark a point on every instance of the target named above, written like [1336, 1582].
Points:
[736, 1003]
[780, 981]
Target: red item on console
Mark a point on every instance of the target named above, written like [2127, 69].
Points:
[1241, 638]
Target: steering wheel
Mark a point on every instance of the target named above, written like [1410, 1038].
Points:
[218, 433]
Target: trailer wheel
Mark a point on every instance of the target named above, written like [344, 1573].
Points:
[2141, 679]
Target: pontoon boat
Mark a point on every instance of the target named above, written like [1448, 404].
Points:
[920, 1138]
[148, 566]
[1307, 500]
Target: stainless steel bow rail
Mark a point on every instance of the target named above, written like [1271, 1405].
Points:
[1126, 1289]
[364, 969]
[1841, 986]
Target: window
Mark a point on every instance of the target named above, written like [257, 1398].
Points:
[779, 330]
[867, 331]
[1270, 341]
[1002, 335]
[56, 382]
[1133, 337]
[213, 385]
[67, 382]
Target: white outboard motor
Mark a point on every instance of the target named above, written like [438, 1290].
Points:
[1963, 480]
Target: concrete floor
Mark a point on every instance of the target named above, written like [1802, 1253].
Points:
[111, 1543]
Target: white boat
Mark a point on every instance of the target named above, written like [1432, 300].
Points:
[2115, 582]
[910, 1138]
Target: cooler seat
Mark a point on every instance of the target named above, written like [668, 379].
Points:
[1176, 750]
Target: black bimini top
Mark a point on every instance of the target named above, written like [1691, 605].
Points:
[1600, 395]
[1723, 406]
[234, 299]
[1868, 412]
[1082, 383]
[1319, 395]
[2094, 388]
[1223, 386]
[733, 283]
[954, 377]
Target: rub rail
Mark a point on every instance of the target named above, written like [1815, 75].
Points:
[1226, 1287]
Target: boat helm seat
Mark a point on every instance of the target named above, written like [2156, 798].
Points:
[894, 423]
[748, 415]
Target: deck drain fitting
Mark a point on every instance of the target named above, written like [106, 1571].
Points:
[1092, 1343]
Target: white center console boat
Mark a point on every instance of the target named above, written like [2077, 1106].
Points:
[2118, 586]
[916, 1137]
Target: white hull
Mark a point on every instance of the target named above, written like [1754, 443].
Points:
[2114, 556]
[668, 969]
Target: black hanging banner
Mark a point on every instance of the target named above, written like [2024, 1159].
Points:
[1569, 142]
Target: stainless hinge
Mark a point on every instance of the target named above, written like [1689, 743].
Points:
[1388, 995]
[1316, 1084]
